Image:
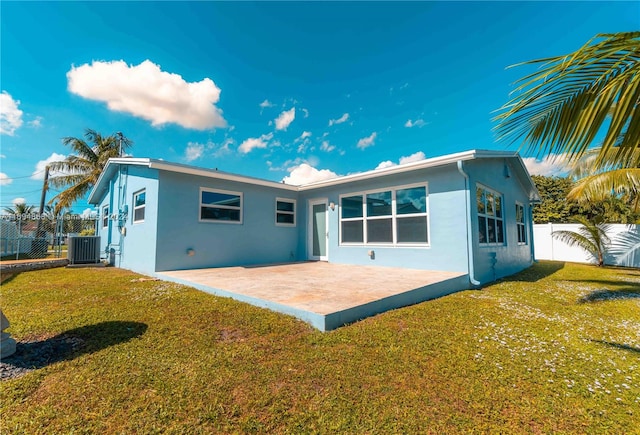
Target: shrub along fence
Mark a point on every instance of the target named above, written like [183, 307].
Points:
[624, 249]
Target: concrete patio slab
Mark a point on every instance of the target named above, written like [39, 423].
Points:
[324, 294]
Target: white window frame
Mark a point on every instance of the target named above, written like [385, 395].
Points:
[224, 192]
[283, 212]
[522, 224]
[105, 216]
[495, 193]
[394, 216]
[143, 206]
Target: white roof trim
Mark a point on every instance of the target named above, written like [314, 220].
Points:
[398, 169]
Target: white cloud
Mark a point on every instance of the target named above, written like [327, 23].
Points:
[285, 119]
[367, 141]
[89, 213]
[304, 135]
[38, 174]
[194, 151]
[10, 115]
[415, 157]
[17, 201]
[416, 123]
[148, 92]
[255, 142]
[340, 120]
[265, 104]
[326, 146]
[5, 179]
[553, 165]
[306, 113]
[305, 173]
[385, 164]
[36, 123]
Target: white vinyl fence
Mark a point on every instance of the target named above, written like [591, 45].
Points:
[624, 249]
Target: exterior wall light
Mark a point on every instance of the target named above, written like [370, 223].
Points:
[191, 252]
[332, 206]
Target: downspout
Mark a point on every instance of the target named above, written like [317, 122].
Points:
[532, 247]
[469, 228]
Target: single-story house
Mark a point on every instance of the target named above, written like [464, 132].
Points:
[468, 212]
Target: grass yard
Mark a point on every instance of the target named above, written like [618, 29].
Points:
[553, 349]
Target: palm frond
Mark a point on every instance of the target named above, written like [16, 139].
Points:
[572, 239]
[598, 187]
[561, 107]
[625, 247]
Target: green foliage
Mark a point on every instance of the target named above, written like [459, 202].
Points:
[88, 232]
[568, 100]
[556, 208]
[591, 236]
[83, 167]
[551, 350]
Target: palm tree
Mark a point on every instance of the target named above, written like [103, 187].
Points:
[596, 181]
[19, 209]
[84, 166]
[561, 107]
[591, 236]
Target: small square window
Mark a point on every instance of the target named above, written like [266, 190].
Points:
[285, 212]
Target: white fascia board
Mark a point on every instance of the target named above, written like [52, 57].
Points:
[413, 166]
[213, 173]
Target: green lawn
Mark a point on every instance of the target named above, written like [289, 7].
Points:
[553, 349]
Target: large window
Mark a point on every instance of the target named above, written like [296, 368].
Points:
[139, 201]
[285, 212]
[490, 217]
[220, 206]
[105, 216]
[522, 235]
[397, 217]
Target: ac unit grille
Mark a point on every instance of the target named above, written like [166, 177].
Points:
[84, 250]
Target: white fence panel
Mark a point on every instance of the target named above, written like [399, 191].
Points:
[623, 251]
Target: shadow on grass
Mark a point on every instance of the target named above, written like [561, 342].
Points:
[618, 345]
[7, 277]
[610, 295]
[538, 271]
[73, 343]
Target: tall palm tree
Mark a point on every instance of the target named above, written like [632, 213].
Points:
[82, 168]
[591, 237]
[563, 105]
[19, 209]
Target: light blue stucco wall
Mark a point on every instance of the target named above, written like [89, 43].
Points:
[258, 240]
[510, 257]
[447, 249]
[135, 247]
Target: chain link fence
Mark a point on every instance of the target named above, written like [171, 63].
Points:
[33, 236]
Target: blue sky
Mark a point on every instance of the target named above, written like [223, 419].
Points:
[294, 90]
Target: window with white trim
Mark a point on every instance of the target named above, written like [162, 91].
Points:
[105, 216]
[490, 216]
[285, 212]
[220, 206]
[139, 204]
[397, 216]
[522, 235]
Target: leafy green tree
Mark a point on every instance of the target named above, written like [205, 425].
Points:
[591, 237]
[83, 167]
[557, 208]
[554, 206]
